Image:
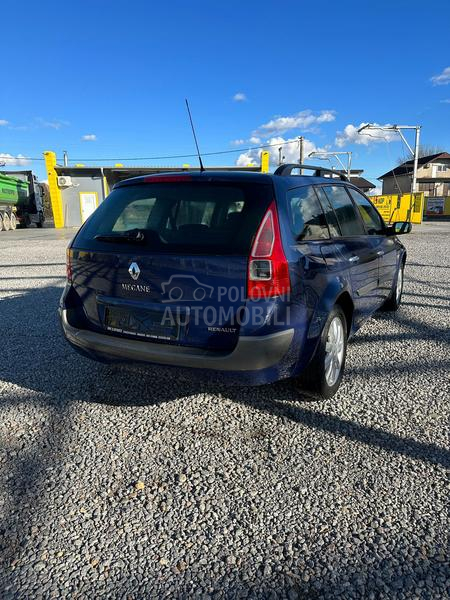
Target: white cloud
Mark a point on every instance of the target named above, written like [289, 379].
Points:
[446, 101]
[441, 79]
[3, 122]
[248, 158]
[89, 137]
[301, 120]
[240, 97]
[20, 160]
[55, 124]
[290, 151]
[375, 192]
[253, 140]
[268, 135]
[350, 135]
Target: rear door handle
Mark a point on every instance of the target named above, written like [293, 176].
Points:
[353, 259]
[380, 253]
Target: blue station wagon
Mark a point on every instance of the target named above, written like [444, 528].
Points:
[245, 277]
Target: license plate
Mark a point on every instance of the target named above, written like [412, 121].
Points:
[141, 323]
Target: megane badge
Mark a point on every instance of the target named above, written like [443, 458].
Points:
[134, 270]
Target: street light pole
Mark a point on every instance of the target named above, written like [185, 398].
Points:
[399, 129]
[301, 152]
[326, 155]
[349, 165]
[416, 160]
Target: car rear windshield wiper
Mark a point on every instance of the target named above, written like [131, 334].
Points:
[134, 236]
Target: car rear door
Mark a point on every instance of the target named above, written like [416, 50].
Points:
[385, 245]
[311, 235]
[356, 249]
[167, 258]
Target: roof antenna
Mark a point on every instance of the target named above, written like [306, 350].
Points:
[202, 168]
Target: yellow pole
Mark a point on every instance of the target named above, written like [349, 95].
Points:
[55, 192]
[265, 156]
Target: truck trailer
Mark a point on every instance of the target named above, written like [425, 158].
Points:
[21, 200]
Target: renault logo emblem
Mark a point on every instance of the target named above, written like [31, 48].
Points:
[134, 270]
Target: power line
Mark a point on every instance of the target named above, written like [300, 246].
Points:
[169, 157]
[151, 158]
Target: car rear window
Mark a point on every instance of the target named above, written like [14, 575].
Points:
[189, 217]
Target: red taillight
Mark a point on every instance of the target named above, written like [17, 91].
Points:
[69, 265]
[167, 178]
[265, 237]
[268, 269]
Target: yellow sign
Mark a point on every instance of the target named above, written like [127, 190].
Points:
[383, 204]
[265, 159]
[55, 192]
[406, 207]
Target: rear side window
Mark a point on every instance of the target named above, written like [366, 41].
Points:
[349, 221]
[330, 215]
[190, 217]
[308, 220]
[371, 217]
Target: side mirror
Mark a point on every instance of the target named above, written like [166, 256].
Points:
[398, 228]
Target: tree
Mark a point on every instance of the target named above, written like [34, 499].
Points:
[424, 150]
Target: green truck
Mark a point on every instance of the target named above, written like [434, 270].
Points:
[21, 200]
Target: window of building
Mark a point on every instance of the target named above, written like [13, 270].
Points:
[428, 188]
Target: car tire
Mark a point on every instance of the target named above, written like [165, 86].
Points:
[323, 376]
[6, 222]
[40, 221]
[395, 299]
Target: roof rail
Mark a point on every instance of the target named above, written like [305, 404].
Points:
[286, 170]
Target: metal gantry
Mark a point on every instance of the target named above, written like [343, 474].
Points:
[399, 129]
[326, 156]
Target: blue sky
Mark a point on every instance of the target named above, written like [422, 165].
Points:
[119, 73]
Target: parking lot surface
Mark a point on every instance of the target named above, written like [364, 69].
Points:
[125, 483]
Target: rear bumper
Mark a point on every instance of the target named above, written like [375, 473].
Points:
[250, 354]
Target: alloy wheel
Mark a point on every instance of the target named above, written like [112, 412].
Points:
[334, 351]
[399, 286]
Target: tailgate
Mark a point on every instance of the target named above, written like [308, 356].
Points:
[184, 281]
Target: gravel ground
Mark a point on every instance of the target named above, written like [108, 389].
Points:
[126, 484]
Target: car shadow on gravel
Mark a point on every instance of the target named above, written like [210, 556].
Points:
[39, 369]
[344, 428]
[390, 577]
[428, 266]
[32, 368]
[282, 400]
[413, 330]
